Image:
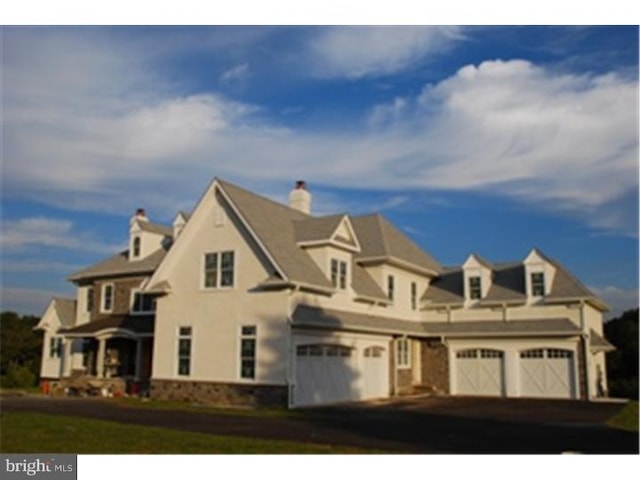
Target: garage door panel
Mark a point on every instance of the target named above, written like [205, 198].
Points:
[333, 373]
[547, 372]
[480, 372]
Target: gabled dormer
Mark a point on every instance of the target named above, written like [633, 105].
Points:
[145, 237]
[477, 277]
[539, 275]
[179, 222]
[331, 242]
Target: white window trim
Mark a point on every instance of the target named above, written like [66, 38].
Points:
[132, 300]
[544, 283]
[255, 353]
[469, 288]
[399, 364]
[347, 273]
[103, 296]
[219, 287]
[177, 350]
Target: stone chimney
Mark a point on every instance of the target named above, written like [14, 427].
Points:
[300, 198]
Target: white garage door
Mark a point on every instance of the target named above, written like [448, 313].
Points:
[325, 374]
[375, 373]
[547, 372]
[480, 372]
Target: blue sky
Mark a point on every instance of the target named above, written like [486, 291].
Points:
[471, 139]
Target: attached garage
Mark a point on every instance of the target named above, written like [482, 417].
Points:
[547, 372]
[479, 372]
[331, 373]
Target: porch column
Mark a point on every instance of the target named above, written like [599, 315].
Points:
[100, 359]
[66, 357]
[138, 364]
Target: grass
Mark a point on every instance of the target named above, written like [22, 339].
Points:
[196, 407]
[626, 418]
[40, 433]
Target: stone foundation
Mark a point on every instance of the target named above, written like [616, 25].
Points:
[237, 394]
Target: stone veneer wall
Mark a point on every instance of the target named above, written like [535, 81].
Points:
[220, 393]
[582, 371]
[435, 366]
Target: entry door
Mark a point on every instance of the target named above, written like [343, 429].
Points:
[480, 372]
[375, 372]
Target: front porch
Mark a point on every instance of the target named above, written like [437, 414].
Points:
[112, 358]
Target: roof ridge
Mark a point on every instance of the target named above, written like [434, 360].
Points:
[224, 183]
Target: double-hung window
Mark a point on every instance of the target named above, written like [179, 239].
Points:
[143, 303]
[339, 274]
[248, 336]
[475, 289]
[89, 299]
[219, 269]
[136, 247]
[403, 356]
[537, 284]
[414, 296]
[184, 351]
[390, 287]
[107, 297]
[55, 347]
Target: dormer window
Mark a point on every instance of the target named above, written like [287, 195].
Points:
[136, 247]
[475, 288]
[414, 296]
[537, 284]
[339, 274]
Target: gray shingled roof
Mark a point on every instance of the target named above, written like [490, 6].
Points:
[508, 284]
[307, 316]
[447, 288]
[558, 326]
[66, 310]
[155, 228]
[379, 238]
[273, 224]
[137, 324]
[120, 265]
[598, 343]
[279, 228]
[316, 228]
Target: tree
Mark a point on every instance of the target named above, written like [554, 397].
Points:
[20, 350]
[622, 364]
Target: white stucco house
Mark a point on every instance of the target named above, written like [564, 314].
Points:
[250, 301]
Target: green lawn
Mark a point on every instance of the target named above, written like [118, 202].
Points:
[627, 418]
[40, 433]
[194, 407]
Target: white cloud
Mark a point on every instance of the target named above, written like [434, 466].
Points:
[117, 138]
[46, 232]
[355, 52]
[619, 299]
[235, 74]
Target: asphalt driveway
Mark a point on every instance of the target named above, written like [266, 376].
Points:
[417, 425]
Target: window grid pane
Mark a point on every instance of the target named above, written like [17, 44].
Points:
[248, 351]
[475, 289]
[537, 284]
[390, 287]
[343, 275]
[334, 273]
[226, 269]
